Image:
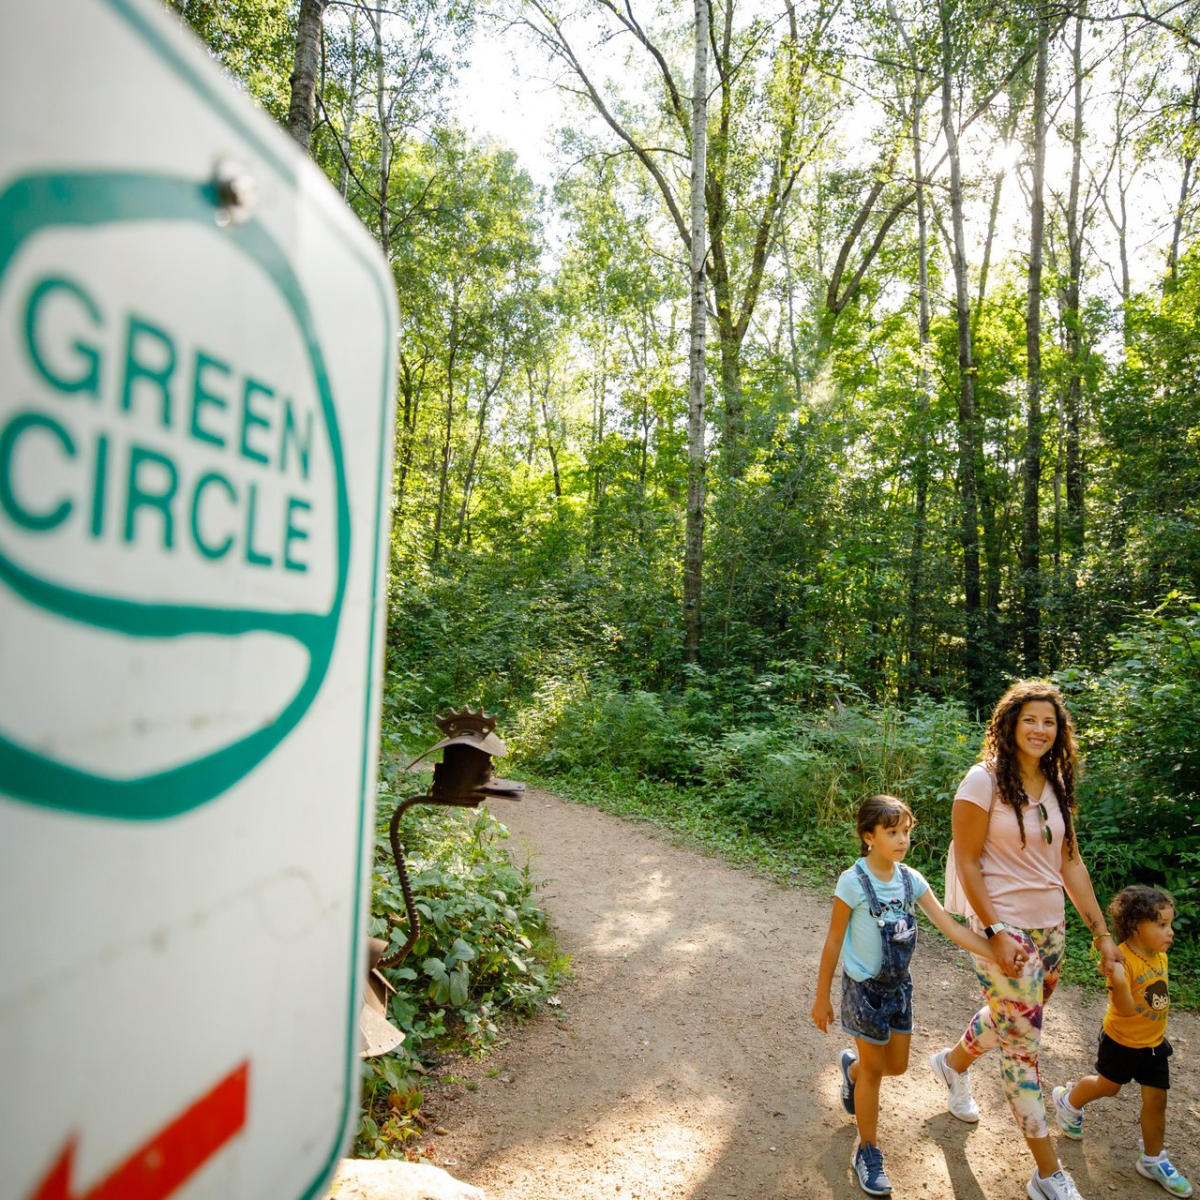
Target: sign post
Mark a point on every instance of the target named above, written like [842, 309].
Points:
[196, 386]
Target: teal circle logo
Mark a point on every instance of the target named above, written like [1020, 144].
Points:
[260, 429]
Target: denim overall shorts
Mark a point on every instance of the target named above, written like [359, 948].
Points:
[878, 1007]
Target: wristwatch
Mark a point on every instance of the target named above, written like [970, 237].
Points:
[990, 931]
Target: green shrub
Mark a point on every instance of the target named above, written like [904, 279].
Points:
[584, 727]
[811, 770]
[1139, 726]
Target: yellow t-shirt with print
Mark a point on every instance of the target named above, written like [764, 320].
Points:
[1147, 1026]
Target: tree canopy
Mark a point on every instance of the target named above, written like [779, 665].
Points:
[951, 279]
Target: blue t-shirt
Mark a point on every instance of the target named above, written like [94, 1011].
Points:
[861, 953]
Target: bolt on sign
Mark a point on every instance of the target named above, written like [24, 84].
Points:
[196, 365]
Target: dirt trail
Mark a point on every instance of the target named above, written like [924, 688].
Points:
[683, 1064]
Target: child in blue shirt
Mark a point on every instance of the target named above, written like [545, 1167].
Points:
[874, 929]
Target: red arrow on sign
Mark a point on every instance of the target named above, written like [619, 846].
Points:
[157, 1168]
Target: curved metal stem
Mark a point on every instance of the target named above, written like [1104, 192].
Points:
[414, 920]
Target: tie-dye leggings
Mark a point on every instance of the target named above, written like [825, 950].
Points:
[1012, 1020]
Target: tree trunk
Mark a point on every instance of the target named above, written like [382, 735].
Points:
[693, 554]
[485, 401]
[1073, 529]
[916, 563]
[384, 233]
[350, 108]
[967, 483]
[1008, 130]
[410, 386]
[447, 438]
[1187, 177]
[1031, 603]
[304, 72]
[597, 481]
[542, 389]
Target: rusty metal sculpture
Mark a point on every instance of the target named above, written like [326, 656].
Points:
[462, 779]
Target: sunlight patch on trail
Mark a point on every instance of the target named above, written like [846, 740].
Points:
[640, 1147]
[652, 916]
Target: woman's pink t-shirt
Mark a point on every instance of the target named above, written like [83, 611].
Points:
[1024, 882]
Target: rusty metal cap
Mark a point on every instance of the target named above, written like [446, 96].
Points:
[503, 787]
[465, 728]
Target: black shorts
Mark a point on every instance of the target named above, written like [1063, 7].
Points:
[1149, 1065]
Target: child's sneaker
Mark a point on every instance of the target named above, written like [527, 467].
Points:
[1163, 1173]
[1070, 1118]
[849, 1058]
[959, 1100]
[1059, 1186]
[867, 1161]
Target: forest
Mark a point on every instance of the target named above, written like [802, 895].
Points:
[844, 370]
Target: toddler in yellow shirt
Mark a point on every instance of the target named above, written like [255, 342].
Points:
[1133, 1043]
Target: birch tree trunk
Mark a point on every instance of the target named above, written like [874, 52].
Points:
[350, 108]
[304, 72]
[1031, 605]
[693, 554]
[1187, 180]
[375, 17]
[1072, 534]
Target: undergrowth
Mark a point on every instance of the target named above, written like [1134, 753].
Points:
[771, 774]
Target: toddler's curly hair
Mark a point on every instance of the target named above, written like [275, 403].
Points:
[1133, 905]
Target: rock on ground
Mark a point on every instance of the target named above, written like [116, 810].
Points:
[368, 1179]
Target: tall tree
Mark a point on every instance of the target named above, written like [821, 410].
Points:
[378, 93]
[693, 555]
[967, 422]
[467, 287]
[1031, 614]
[1075, 220]
[916, 94]
[772, 108]
[304, 71]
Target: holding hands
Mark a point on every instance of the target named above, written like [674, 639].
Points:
[1120, 994]
[1110, 956]
[1114, 971]
[1009, 953]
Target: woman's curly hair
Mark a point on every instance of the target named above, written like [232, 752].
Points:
[1058, 764]
[1133, 905]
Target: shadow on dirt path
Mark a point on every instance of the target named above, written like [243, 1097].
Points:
[682, 1062]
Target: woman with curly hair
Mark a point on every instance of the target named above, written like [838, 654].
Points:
[1014, 854]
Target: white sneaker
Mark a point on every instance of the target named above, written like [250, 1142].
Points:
[1163, 1172]
[959, 1100]
[1070, 1119]
[1060, 1186]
